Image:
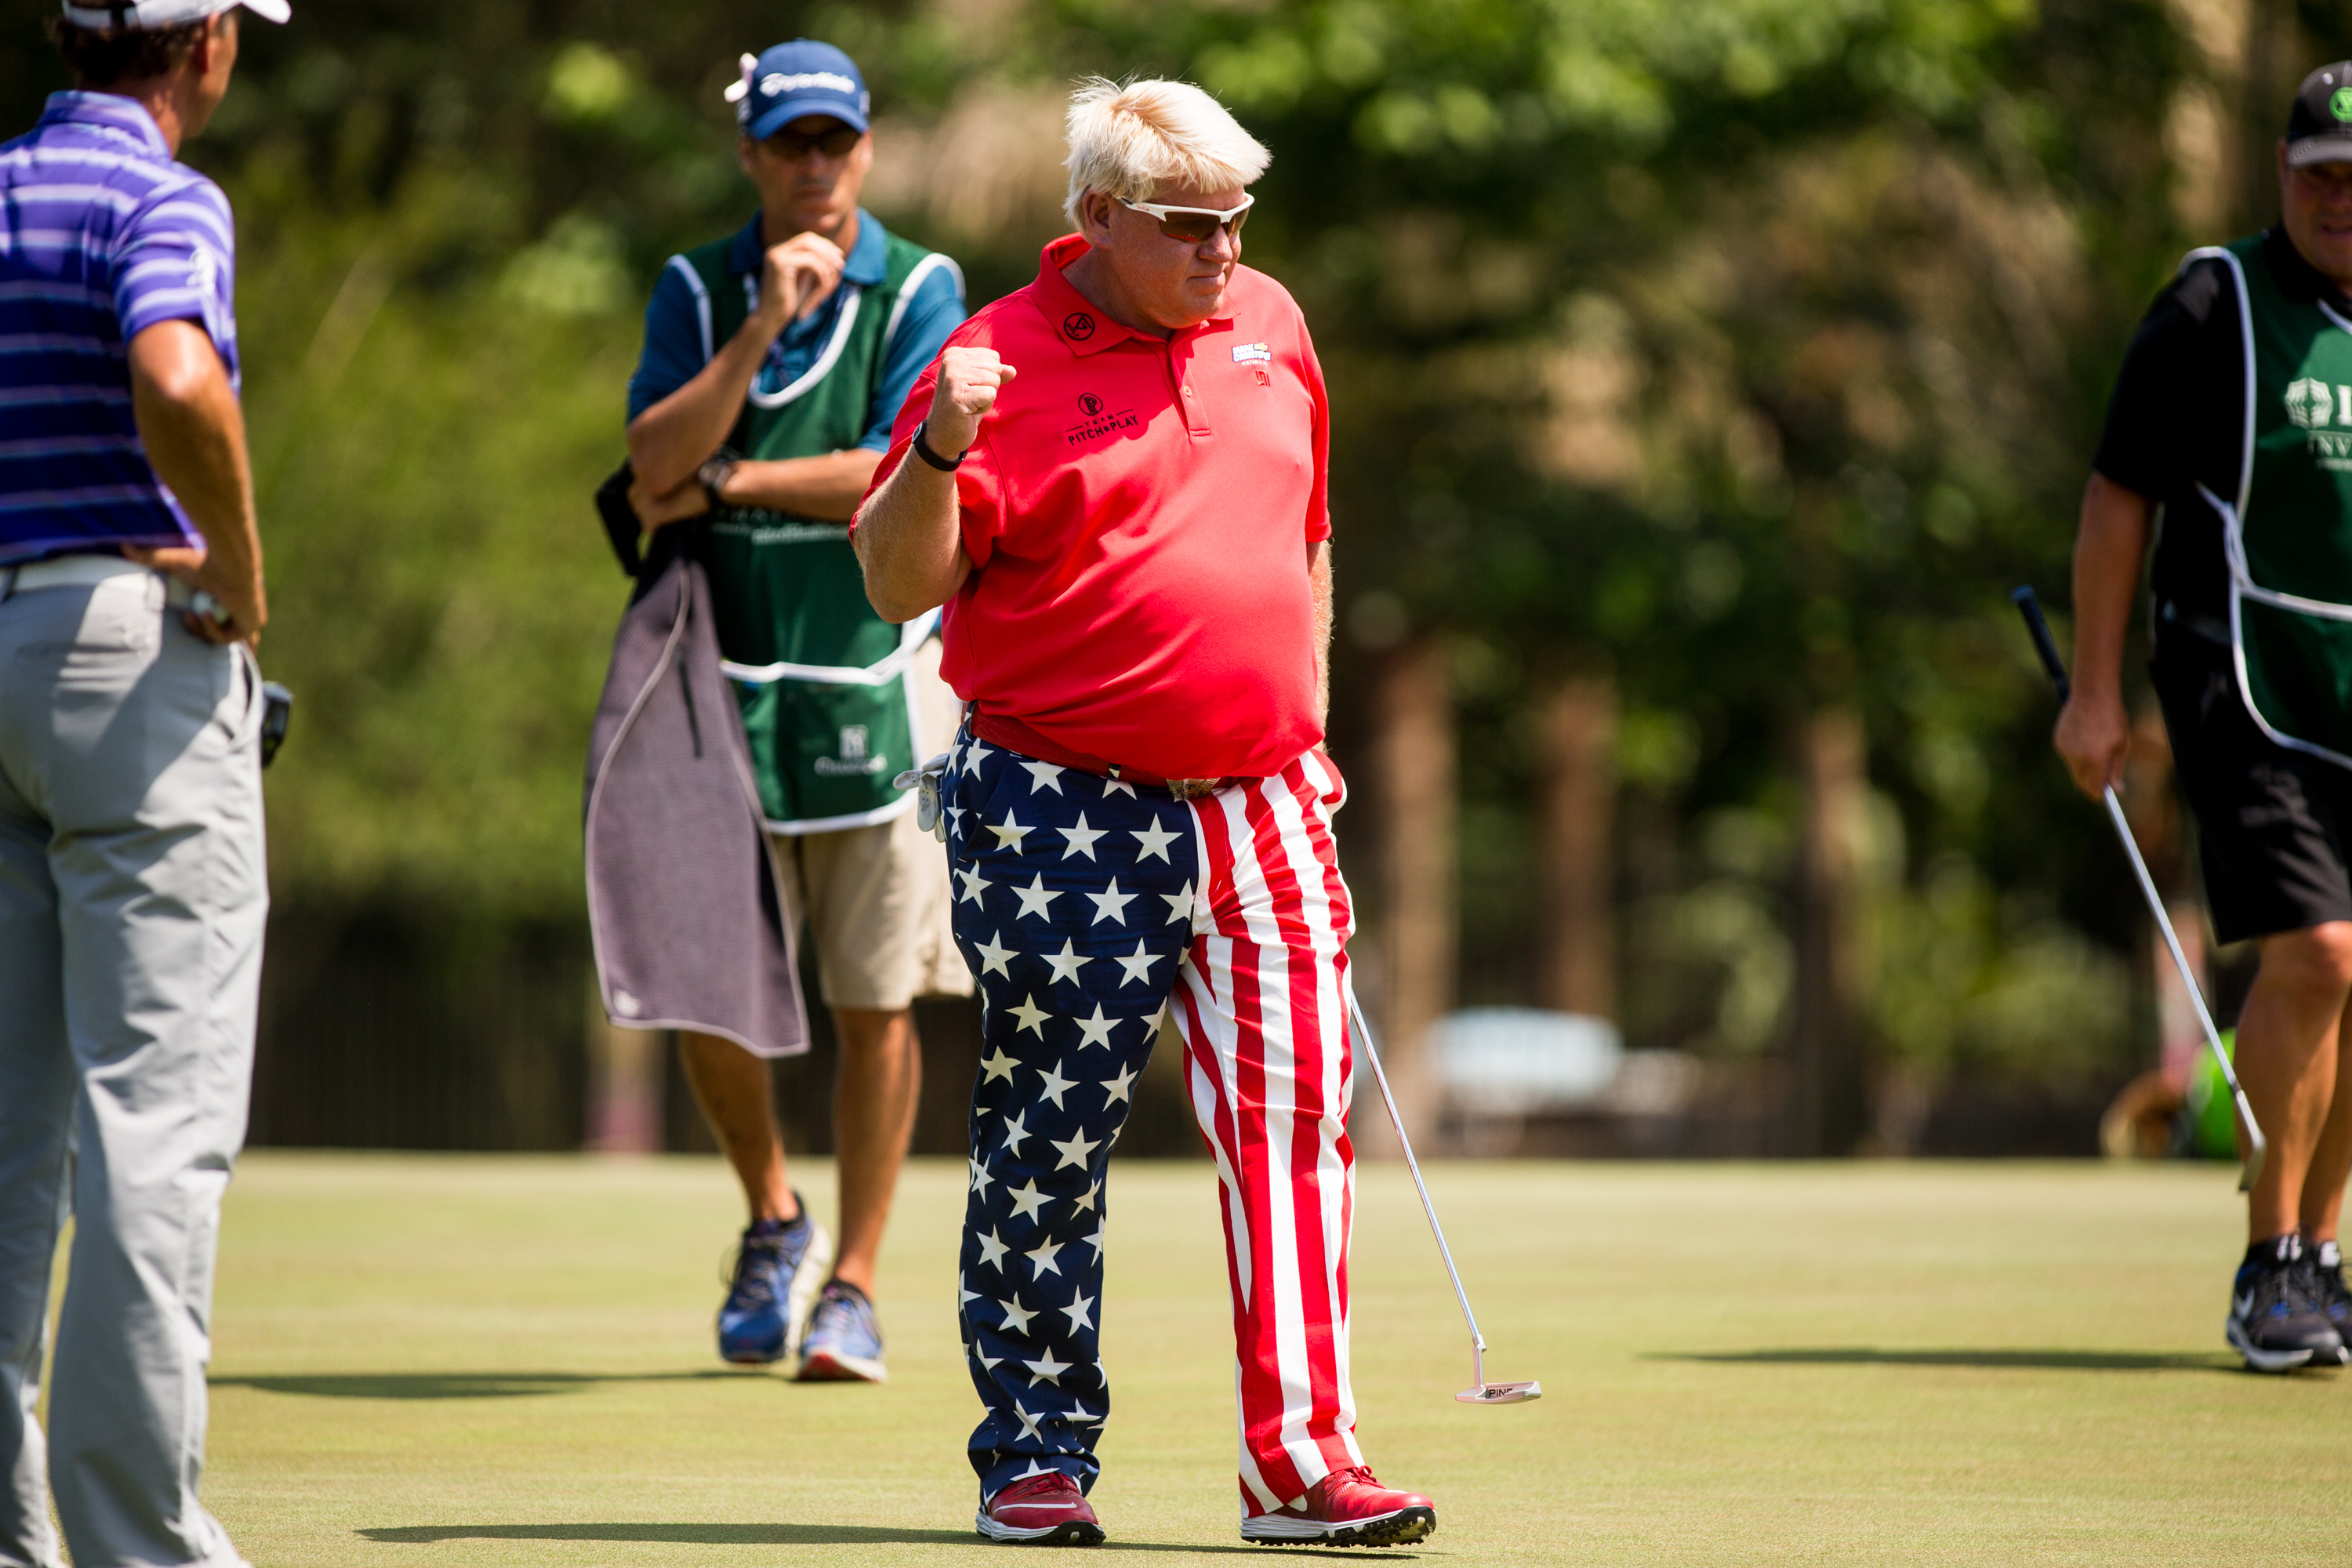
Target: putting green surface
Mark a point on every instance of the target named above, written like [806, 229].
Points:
[423, 1361]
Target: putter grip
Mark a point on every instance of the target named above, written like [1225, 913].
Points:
[2039, 629]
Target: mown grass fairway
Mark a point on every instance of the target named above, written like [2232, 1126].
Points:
[424, 1360]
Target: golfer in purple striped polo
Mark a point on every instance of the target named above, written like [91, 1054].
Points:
[132, 883]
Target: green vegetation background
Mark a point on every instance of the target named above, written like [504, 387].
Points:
[1749, 348]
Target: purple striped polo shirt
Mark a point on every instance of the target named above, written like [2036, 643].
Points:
[102, 235]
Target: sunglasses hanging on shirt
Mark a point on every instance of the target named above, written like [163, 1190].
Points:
[1193, 225]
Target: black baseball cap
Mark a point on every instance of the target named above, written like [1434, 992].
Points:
[2319, 126]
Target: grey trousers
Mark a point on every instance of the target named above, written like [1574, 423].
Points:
[132, 892]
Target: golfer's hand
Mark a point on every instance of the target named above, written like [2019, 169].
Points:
[671, 505]
[797, 277]
[244, 605]
[2092, 735]
[969, 382]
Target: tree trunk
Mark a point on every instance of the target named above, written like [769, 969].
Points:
[1579, 860]
[1830, 1109]
[1415, 765]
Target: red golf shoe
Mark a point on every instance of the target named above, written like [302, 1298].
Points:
[1346, 1508]
[1040, 1510]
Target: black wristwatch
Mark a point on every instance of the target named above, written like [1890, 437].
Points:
[923, 450]
[712, 476]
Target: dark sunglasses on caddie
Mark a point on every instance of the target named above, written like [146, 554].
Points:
[1193, 225]
[792, 146]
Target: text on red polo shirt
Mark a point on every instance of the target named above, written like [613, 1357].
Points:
[1138, 513]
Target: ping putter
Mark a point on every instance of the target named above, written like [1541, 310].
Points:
[2250, 1170]
[1481, 1392]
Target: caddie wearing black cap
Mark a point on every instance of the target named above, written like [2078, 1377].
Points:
[775, 362]
[2229, 437]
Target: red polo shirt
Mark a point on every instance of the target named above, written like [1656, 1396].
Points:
[1138, 512]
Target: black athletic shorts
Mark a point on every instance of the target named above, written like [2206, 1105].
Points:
[2273, 823]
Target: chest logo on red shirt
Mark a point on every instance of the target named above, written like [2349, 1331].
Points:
[1244, 353]
[1099, 423]
[1077, 326]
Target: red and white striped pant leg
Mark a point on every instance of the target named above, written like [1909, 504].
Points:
[1260, 1000]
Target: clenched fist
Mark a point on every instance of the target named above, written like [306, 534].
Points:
[968, 384]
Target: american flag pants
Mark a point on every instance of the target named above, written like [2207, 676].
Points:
[1086, 906]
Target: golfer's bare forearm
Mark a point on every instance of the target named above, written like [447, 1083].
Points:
[676, 435]
[1318, 577]
[909, 544]
[2108, 548]
[829, 487]
[194, 433]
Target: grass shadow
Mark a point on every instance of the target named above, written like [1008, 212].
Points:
[453, 1385]
[2038, 1360]
[776, 1535]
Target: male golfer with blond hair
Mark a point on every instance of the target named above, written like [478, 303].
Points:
[1114, 479]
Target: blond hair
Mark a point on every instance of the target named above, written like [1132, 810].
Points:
[1135, 139]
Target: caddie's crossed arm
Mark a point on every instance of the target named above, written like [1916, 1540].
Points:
[907, 538]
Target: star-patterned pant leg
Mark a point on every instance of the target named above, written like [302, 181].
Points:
[1261, 1001]
[1075, 897]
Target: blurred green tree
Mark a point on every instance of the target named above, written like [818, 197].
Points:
[1745, 351]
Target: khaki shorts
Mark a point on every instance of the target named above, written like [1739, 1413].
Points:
[875, 899]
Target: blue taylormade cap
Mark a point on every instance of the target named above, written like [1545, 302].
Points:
[798, 78]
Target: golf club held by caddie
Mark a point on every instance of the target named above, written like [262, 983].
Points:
[2250, 1169]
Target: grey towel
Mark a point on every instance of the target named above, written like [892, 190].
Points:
[681, 894]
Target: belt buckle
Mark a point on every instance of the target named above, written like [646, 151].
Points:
[1192, 789]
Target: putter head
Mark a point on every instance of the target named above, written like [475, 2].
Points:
[1501, 1394]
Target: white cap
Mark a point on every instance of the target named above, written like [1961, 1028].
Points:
[168, 13]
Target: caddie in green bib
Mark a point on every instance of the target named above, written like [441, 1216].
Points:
[2228, 446]
[820, 676]
[2289, 528]
[821, 679]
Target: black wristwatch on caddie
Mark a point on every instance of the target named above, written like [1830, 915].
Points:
[712, 476]
[923, 450]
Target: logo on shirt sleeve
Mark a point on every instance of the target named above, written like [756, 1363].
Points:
[1245, 353]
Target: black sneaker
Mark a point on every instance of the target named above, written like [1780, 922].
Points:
[2274, 1322]
[2324, 1284]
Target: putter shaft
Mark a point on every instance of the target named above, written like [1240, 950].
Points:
[2254, 1140]
[1481, 1392]
[1364, 1035]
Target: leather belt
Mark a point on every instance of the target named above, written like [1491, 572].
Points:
[1016, 736]
[87, 571]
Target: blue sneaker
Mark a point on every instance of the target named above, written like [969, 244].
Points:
[845, 1341]
[777, 1271]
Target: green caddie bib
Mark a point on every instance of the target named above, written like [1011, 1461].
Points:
[821, 679]
[2289, 528]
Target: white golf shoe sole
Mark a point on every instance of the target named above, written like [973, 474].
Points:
[2260, 1360]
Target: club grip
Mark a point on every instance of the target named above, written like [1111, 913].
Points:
[2029, 607]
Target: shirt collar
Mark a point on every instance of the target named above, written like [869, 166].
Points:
[2298, 278]
[110, 110]
[1078, 321]
[868, 264]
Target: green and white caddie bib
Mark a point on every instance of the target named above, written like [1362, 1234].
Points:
[2289, 528]
[821, 679]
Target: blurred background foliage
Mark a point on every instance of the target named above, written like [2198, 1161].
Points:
[1743, 352]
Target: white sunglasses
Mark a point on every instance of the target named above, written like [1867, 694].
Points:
[1193, 225]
